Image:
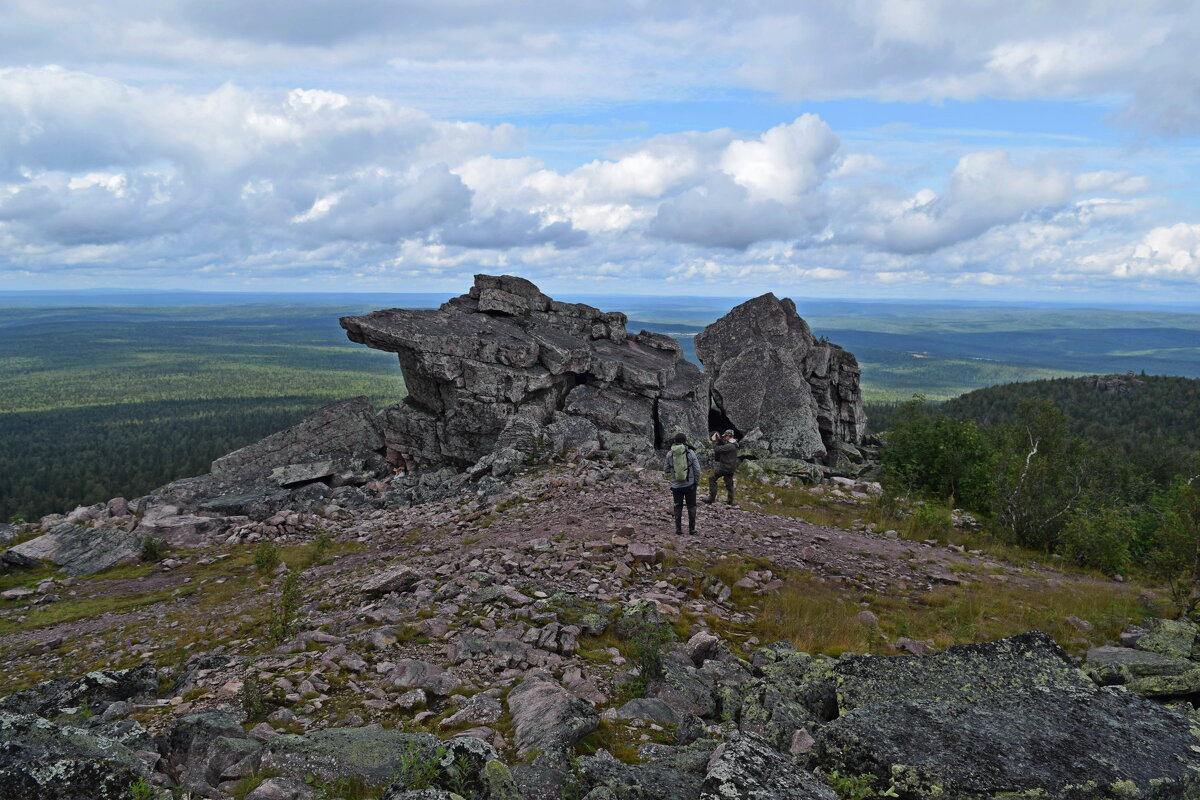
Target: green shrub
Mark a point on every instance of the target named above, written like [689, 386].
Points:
[254, 699]
[930, 521]
[153, 548]
[320, 546]
[286, 608]
[1098, 539]
[266, 557]
[142, 790]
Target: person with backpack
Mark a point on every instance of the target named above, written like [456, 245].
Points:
[725, 455]
[683, 468]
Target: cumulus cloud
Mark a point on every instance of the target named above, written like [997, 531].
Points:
[105, 178]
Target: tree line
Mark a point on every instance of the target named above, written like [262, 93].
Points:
[1112, 485]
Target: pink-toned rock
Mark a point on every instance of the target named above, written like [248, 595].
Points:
[802, 742]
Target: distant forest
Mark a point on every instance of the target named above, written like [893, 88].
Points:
[100, 403]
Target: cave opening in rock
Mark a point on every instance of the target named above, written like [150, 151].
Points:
[719, 423]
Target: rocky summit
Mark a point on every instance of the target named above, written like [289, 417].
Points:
[505, 367]
[508, 615]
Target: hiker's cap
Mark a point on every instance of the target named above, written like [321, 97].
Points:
[730, 433]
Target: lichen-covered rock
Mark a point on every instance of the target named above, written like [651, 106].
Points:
[93, 693]
[636, 781]
[205, 749]
[505, 366]
[1170, 637]
[78, 549]
[967, 672]
[748, 768]
[1110, 666]
[373, 756]
[1064, 742]
[346, 429]
[548, 718]
[776, 383]
[796, 692]
[684, 688]
[39, 759]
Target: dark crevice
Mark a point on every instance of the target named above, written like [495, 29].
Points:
[658, 428]
[718, 422]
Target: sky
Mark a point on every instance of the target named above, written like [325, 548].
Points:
[926, 149]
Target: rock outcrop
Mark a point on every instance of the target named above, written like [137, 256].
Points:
[778, 385]
[79, 550]
[505, 366]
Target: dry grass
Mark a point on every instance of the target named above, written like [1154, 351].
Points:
[821, 617]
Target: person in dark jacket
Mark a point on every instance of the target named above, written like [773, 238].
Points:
[725, 455]
[683, 470]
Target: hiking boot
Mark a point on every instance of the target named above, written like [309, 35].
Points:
[709, 500]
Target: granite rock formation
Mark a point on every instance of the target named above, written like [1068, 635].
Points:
[777, 384]
[505, 366]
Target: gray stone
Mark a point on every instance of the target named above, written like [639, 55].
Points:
[1109, 666]
[796, 691]
[1169, 637]
[39, 759]
[94, 692]
[394, 579]
[607, 778]
[776, 383]
[548, 718]
[282, 789]
[748, 768]
[205, 749]
[371, 755]
[77, 549]
[413, 673]
[1065, 742]
[650, 708]
[345, 429]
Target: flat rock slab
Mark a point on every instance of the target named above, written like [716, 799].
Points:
[1070, 743]
[93, 692]
[376, 757]
[1116, 665]
[77, 549]
[966, 672]
[39, 759]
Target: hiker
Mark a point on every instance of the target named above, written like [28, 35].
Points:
[683, 468]
[725, 455]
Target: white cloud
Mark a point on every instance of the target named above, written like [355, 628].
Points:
[104, 178]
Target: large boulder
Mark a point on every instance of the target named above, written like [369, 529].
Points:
[92, 693]
[775, 382]
[497, 367]
[347, 429]
[548, 718]
[79, 550]
[203, 750]
[1034, 741]
[41, 759]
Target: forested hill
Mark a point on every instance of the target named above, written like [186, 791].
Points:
[1102, 408]
[1149, 418]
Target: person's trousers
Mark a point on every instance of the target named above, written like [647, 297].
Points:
[685, 494]
[712, 485]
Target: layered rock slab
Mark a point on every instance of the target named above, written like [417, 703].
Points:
[499, 366]
[1003, 718]
[793, 394]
